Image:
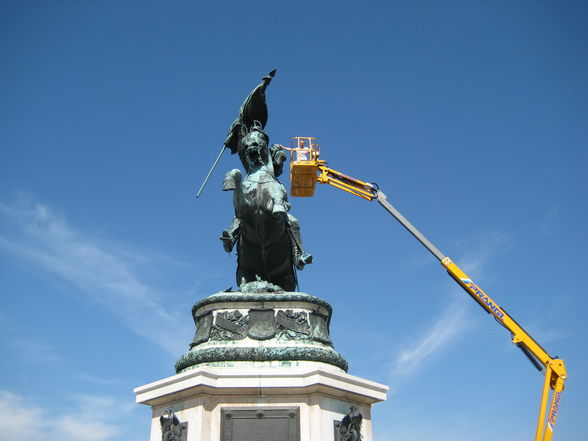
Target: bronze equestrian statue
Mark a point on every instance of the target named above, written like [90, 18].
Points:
[269, 246]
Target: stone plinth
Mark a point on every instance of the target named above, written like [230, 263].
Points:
[261, 367]
[207, 397]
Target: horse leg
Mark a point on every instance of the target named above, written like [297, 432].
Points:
[243, 276]
[287, 282]
[244, 273]
[277, 199]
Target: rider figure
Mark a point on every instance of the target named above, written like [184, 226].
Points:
[254, 148]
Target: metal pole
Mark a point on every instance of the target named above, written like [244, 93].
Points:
[211, 170]
[382, 199]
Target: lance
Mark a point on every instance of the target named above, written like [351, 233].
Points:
[211, 170]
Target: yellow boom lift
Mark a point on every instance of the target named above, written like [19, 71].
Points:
[306, 169]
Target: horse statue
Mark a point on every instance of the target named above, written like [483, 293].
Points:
[267, 237]
[269, 247]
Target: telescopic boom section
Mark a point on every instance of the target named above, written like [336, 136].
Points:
[346, 183]
[555, 371]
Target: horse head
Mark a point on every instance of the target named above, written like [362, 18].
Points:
[254, 152]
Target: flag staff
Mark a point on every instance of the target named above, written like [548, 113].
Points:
[211, 170]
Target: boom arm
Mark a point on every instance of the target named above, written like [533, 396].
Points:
[555, 371]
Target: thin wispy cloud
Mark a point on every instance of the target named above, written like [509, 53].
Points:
[98, 380]
[444, 331]
[547, 223]
[30, 348]
[104, 272]
[446, 426]
[546, 335]
[81, 418]
[488, 246]
[435, 338]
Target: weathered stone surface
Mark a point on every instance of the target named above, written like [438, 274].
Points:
[202, 396]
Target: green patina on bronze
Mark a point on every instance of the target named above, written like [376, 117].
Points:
[212, 355]
[269, 245]
[239, 297]
[229, 326]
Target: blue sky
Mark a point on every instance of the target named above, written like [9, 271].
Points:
[470, 115]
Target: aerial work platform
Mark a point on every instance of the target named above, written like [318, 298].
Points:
[304, 165]
[301, 174]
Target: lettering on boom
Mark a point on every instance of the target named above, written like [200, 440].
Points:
[554, 410]
[484, 298]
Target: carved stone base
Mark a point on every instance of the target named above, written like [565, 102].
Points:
[255, 329]
[221, 404]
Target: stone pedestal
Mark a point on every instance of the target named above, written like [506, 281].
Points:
[261, 367]
[208, 398]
